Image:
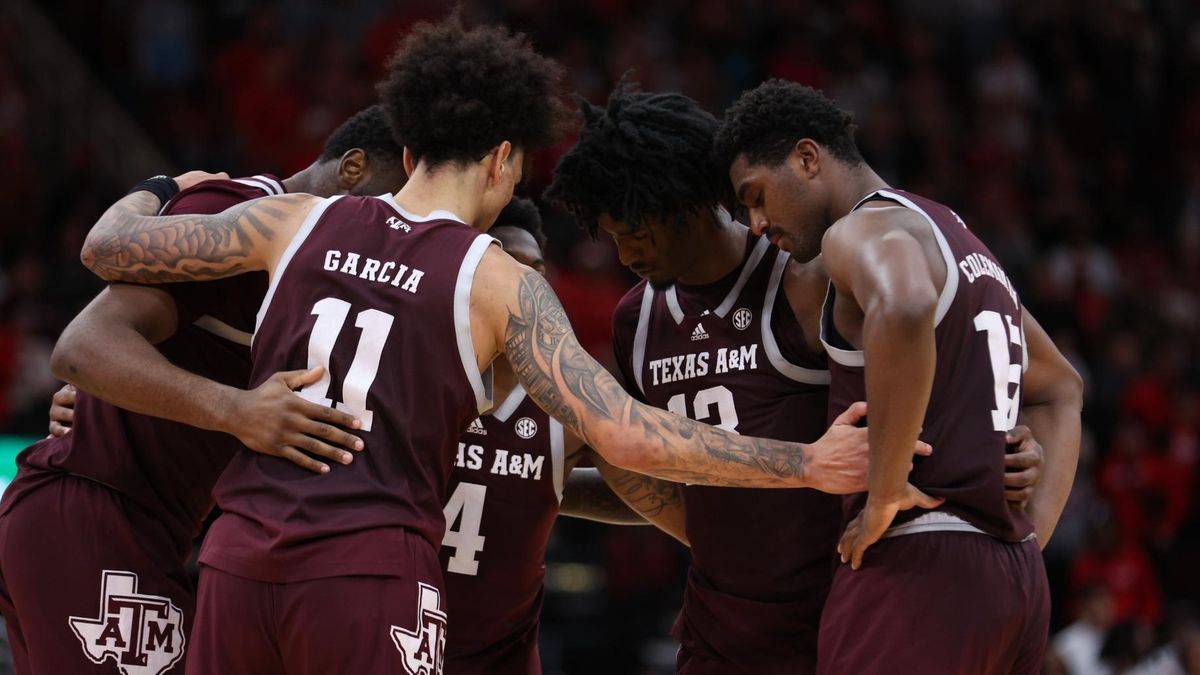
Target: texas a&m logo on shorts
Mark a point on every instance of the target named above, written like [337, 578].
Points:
[424, 646]
[143, 634]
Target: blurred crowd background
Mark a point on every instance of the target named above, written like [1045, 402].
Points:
[1065, 132]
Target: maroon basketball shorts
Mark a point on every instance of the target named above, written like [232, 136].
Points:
[88, 584]
[938, 603]
[509, 657]
[721, 634]
[366, 625]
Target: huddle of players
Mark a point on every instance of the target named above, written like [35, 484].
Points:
[727, 329]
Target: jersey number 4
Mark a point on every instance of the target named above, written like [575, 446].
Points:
[1001, 333]
[467, 503]
[331, 317]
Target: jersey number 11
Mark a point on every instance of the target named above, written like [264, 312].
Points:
[331, 316]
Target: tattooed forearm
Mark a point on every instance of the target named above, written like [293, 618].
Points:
[129, 243]
[570, 385]
[647, 495]
[587, 495]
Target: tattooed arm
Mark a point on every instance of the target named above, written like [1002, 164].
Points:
[514, 312]
[658, 501]
[129, 243]
[586, 495]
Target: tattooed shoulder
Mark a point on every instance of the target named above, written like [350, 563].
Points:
[130, 244]
[549, 360]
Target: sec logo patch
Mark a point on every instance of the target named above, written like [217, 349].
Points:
[742, 318]
[526, 428]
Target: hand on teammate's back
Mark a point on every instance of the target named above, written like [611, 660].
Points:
[187, 180]
[1022, 465]
[274, 420]
[62, 411]
[837, 462]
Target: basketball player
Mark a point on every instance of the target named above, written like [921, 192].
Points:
[740, 318]
[952, 357]
[106, 515]
[351, 556]
[514, 467]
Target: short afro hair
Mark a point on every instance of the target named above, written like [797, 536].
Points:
[453, 94]
[766, 122]
[523, 214]
[369, 131]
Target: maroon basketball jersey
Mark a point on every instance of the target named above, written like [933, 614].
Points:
[169, 468]
[504, 492]
[381, 299]
[976, 387]
[731, 354]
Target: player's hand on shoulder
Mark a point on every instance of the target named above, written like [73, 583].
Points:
[62, 411]
[187, 180]
[837, 462]
[273, 419]
[1022, 465]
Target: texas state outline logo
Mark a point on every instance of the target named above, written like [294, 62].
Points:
[424, 647]
[143, 634]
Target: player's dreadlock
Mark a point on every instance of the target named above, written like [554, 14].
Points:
[369, 131]
[645, 155]
[523, 214]
[765, 123]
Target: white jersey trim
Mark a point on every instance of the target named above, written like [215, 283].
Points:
[851, 358]
[509, 406]
[436, 214]
[639, 337]
[751, 264]
[951, 286]
[938, 521]
[770, 345]
[557, 456]
[297, 241]
[223, 330]
[276, 186]
[854, 358]
[262, 183]
[462, 321]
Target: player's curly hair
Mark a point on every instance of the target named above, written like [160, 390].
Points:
[368, 130]
[645, 155]
[523, 214]
[453, 94]
[766, 122]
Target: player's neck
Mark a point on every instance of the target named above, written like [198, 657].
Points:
[858, 182]
[445, 189]
[721, 244]
[308, 180]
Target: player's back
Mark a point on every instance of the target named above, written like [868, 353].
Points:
[761, 559]
[165, 467]
[976, 387]
[505, 491]
[381, 299]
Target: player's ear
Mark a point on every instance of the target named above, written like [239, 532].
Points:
[352, 169]
[497, 162]
[806, 157]
[410, 162]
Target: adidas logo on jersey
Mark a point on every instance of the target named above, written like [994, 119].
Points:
[476, 427]
[699, 333]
